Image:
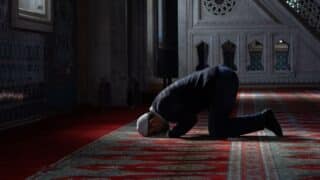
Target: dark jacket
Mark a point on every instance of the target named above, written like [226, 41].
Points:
[181, 101]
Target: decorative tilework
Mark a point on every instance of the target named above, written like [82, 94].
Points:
[255, 62]
[282, 61]
[24, 61]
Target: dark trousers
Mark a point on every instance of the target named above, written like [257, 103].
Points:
[225, 93]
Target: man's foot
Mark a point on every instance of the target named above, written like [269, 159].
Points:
[271, 122]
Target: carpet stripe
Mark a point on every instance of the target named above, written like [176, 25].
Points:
[234, 169]
[268, 161]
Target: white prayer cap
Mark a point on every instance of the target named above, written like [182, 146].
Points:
[143, 123]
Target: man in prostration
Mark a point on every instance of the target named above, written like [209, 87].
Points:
[215, 89]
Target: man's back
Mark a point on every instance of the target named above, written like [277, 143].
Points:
[188, 95]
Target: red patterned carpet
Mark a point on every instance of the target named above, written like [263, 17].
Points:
[123, 154]
[28, 149]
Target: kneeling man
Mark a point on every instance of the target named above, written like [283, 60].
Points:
[215, 89]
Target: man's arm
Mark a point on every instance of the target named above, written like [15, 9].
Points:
[182, 128]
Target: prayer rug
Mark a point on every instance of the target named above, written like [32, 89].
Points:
[123, 154]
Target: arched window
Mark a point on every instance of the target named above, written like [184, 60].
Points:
[255, 49]
[229, 51]
[282, 62]
[203, 52]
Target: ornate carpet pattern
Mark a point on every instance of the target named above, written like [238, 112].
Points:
[123, 154]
